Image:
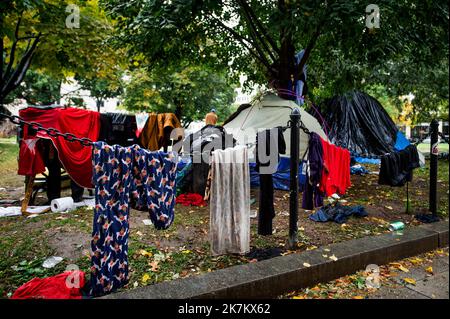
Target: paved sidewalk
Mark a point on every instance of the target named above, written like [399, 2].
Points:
[427, 286]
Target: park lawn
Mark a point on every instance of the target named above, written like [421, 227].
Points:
[183, 249]
[425, 148]
[9, 150]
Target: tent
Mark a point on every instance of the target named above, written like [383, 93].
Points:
[267, 112]
[358, 122]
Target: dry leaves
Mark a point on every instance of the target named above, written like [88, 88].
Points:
[410, 281]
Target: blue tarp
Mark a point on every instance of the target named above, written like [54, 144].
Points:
[401, 143]
[281, 178]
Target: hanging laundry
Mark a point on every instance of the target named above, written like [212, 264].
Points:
[397, 168]
[274, 144]
[75, 158]
[336, 169]
[230, 201]
[312, 196]
[157, 130]
[123, 129]
[191, 199]
[67, 285]
[141, 120]
[126, 177]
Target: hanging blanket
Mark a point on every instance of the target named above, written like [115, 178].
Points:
[230, 201]
[75, 158]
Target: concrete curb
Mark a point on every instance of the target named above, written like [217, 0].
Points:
[272, 277]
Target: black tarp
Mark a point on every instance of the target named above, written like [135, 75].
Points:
[358, 122]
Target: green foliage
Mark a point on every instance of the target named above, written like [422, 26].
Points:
[62, 51]
[408, 53]
[188, 92]
[77, 102]
[38, 89]
[101, 88]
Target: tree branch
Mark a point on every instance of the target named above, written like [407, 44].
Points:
[21, 69]
[244, 42]
[13, 48]
[255, 34]
[263, 30]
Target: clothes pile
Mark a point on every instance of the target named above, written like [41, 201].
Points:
[191, 199]
[67, 285]
[337, 213]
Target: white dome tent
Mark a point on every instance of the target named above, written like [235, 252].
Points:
[265, 113]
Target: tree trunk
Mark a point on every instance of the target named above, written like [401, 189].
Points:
[286, 65]
[178, 110]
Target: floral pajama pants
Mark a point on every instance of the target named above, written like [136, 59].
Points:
[126, 177]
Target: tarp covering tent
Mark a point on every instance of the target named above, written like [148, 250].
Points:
[358, 122]
[267, 112]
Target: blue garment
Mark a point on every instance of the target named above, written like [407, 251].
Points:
[358, 170]
[124, 177]
[337, 213]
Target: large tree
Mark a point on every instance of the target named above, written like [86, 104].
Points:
[59, 38]
[261, 37]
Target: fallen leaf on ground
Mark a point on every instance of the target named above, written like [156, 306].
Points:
[409, 281]
[333, 258]
[416, 261]
[404, 269]
[154, 265]
[298, 297]
[429, 270]
[306, 265]
[143, 252]
[358, 297]
[145, 278]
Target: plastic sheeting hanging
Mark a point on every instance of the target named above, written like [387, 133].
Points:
[359, 123]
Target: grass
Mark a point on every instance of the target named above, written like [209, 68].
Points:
[425, 147]
[9, 150]
[183, 250]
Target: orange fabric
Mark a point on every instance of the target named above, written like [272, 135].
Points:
[211, 118]
[157, 130]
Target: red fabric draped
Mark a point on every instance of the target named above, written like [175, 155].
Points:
[67, 285]
[75, 158]
[336, 169]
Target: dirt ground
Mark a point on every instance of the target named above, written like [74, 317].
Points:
[183, 249]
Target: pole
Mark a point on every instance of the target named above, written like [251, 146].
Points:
[293, 196]
[434, 125]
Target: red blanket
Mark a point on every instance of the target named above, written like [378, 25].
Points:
[75, 158]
